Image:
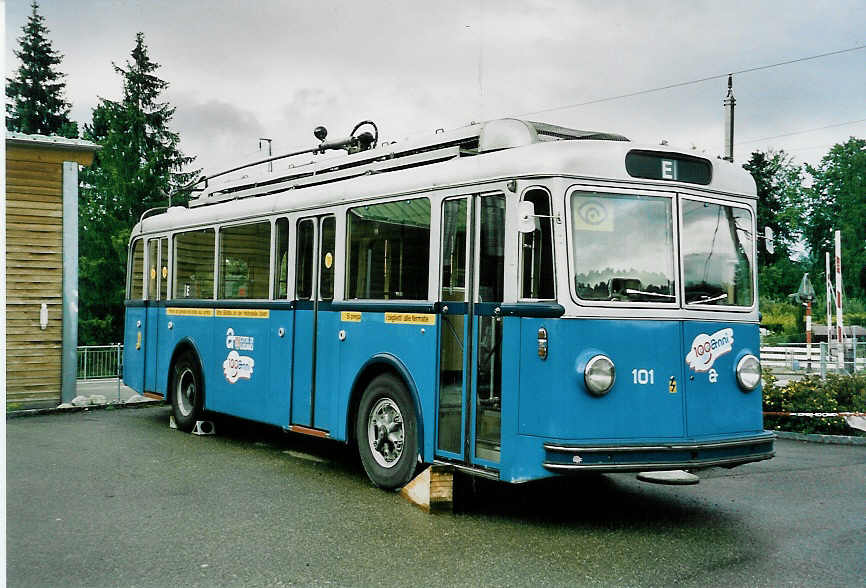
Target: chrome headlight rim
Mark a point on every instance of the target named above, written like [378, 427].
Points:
[588, 382]
[742, 376]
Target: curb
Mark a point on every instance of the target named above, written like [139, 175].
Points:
[15, 414]
[816, 438]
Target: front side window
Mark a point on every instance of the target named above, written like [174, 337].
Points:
[717, 253]
[623, 247]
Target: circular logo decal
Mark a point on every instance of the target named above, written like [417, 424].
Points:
[164, 272]
[329, 260]
[153, 273]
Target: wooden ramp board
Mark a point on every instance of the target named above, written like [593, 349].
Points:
[432, 490]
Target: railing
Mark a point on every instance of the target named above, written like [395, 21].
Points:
[99, 361]
[795, 357]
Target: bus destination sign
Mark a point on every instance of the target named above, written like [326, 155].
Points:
[675, 167]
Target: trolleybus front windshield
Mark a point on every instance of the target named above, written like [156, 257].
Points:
[717, 250]
[623, 247]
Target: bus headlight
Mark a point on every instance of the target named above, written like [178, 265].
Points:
[749, 373]
[599, 375]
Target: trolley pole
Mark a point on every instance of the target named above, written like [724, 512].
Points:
[268, 141]
[840, 361]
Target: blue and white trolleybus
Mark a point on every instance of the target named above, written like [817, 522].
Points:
[516, 299]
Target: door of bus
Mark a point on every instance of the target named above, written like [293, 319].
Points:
[157, 290]
[314, 291]
[471, 291]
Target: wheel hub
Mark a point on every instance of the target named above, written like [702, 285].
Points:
[385, 433]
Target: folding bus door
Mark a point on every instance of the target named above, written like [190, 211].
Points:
[472, 261]
[314, 290]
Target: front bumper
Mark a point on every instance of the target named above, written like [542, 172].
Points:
[691, 455]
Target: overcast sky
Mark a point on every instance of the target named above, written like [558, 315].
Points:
[243, 70]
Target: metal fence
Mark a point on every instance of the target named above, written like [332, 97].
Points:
[794, 358]
[99, 361]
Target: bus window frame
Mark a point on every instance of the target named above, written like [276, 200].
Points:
[172, 258]
[130, 262]
[217, 249]
[552, 244]
[343, 242]
[672, 195]
[720, 201]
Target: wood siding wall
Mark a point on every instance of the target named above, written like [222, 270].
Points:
[34, 262]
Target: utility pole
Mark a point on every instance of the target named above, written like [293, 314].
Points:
[729, 103]
[269, 141]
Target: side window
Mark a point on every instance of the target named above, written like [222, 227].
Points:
[135, 285]
[536, 251]
[304, 260]
[388, 250]
[193, 264]
[281, 261]
[152, 267]
[163, 269]
[326, 252]
[491, 254]
[244, 268]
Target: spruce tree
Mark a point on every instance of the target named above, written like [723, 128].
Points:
[35, 102]
[139, 164]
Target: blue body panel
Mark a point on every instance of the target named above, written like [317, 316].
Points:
[240, 370]
[720, 407]
[544, 402]
[302, 377]
[555, 404]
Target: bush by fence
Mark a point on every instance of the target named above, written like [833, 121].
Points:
[836, 393]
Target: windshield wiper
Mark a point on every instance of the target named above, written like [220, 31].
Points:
[643, 293]
[708, 300]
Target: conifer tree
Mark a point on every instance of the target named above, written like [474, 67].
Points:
[35, 102]
[140, 163]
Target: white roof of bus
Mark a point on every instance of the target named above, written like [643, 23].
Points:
[590, 159]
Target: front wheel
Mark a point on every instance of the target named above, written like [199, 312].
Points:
[187, 392]
[387, 433]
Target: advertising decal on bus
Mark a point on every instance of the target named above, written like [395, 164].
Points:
[705, 349]
[236, 366]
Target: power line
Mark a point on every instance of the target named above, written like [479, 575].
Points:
[850, 122]
[697, 81]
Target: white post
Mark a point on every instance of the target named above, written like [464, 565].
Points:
[828, 287]
[840, 341]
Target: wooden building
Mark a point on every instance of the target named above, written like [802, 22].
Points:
[42, 267]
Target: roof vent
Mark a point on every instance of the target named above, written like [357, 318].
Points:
[506, 133]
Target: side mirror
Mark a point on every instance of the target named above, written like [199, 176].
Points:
[768, 240]
[526, 221]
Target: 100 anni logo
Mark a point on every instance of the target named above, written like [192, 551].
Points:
[706, 349]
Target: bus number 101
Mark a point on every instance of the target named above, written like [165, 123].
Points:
[643, 376]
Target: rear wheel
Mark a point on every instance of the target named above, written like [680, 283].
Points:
[387, 432]
[187, 392]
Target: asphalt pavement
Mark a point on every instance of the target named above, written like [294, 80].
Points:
[114, 497]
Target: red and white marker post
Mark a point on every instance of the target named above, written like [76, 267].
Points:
[840, 361]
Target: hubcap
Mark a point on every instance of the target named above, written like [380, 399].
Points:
[185, 392]
[385, 433]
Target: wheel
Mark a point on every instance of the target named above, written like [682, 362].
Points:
[387, 432]
[187, 392]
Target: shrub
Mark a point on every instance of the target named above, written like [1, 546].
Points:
[812, 394]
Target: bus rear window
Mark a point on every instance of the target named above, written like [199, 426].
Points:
[135, 287]
[193, 264]
[388, 249]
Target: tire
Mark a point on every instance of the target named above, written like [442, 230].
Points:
[387, 432]
[187, 392]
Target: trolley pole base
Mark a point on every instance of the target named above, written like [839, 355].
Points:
[432, 490]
